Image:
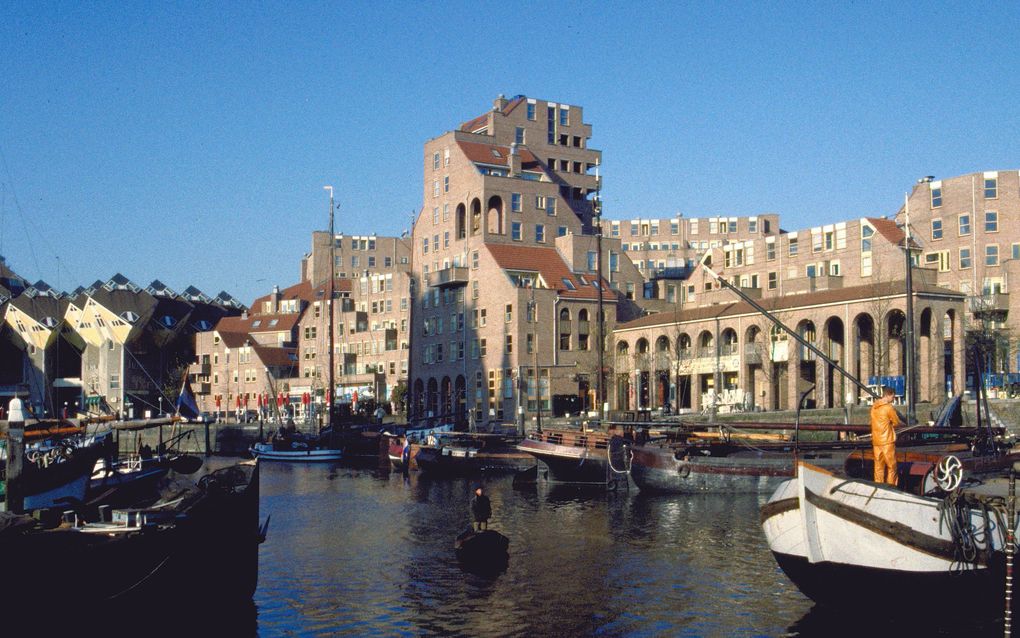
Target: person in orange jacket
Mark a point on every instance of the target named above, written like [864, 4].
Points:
[883, 437]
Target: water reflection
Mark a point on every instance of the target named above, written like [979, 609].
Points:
[352, 552]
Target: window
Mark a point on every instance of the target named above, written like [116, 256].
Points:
[515, 202]
[991, 187]
[481, 347]
[834, 268]
[674, 228]
[773, 280]
[435, 188]
[540, 233]
[446, 212]
[752, 226]
[435, 161]
[733, 226]
[509, 344]
[446, 184]
[964, 224]
[770, 251]
[992, 255]
[435, 242]
[811, 270]
[474, 260]
[592, 256]
[1015, 252]
[515, 231]
[561, 231]
[991, 221]
[936, 229]
[936, 196]
[446, 244]
[614, 262]
[793, 246]
[371, 260]
[531, 111]
[508, 314]
[564, 116]
[446, 157]
[550, 205]
[519, 135]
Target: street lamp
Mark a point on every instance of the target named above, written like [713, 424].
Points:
[161, 406]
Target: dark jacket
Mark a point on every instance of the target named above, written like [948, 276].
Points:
[481, 509]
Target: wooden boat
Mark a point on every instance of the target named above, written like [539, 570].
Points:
[578, 456]
[836, 538]
[733, 463]
[486, 551]
[55, 472]
[202, 540]
[465, 454]
[296, 450]
[403, 444]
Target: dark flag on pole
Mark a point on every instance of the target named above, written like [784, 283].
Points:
[186, 405]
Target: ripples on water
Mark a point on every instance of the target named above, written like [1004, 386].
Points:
[354, 553]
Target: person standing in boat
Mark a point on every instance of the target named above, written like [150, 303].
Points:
[481, 509]
[883, 437]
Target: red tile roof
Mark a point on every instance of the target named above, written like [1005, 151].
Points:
[550, 265]
[888, 229]
[246, 325]
[482, 154]
[281, 357]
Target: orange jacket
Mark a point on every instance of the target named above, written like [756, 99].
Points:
[883, 420]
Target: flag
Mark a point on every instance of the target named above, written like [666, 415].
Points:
[186, 405]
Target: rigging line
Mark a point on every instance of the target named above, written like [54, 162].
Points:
[21, 213]
[147, 375]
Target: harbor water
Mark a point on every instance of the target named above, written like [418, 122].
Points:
[356, 552]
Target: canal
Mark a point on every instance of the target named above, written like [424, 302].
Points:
[352, 552]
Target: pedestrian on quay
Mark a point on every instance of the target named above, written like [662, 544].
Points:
[883, 437]
[481, 509]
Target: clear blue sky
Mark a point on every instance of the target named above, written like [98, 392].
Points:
[190, 142]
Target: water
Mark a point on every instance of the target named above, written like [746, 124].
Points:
[354, 553]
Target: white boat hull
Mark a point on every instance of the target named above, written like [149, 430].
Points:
[834, 536]
[265, 452]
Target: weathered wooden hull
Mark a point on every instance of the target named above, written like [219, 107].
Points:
[208, 547]
[836, 537]
[570, 464]
[657, 469]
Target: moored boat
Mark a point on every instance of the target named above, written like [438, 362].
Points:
[202, 539]
[465, 454]
[579, 456]
[836, 537]
[304, 450]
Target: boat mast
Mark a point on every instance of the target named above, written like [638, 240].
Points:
[331, 390]
[910, 314]
[597, 219]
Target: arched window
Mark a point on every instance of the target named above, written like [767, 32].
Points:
[582, 329]
[564, 329]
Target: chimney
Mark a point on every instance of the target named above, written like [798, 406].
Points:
[500, 103]
[274, 299]
[514, 161]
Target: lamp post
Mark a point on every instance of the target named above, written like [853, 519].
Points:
[597, 220]
[161, 406]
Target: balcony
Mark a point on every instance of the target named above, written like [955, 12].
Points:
[670, 272]
[201, 369]
[991, 303]
[812, 284]
[452, 276]
[202, 388]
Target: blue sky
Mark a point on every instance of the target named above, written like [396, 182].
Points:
[190, 142]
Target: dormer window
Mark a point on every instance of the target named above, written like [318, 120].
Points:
[273, 322]
[496, 153]
[256, 323]
[569, 284]
[49, 322]
[168, 321]
[129, 316]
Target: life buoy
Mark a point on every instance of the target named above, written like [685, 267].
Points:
[683, 469]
